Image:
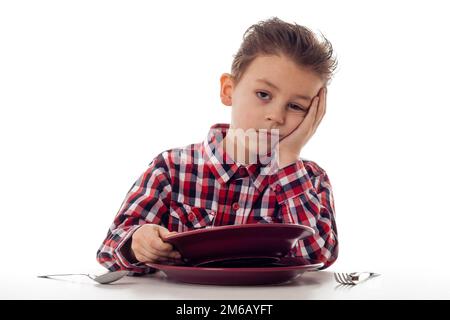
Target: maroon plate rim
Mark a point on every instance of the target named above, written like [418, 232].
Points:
[221, 260]
[163, 267]
[238, 226]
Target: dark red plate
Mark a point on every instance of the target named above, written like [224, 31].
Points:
[236, 241]
[286, 269]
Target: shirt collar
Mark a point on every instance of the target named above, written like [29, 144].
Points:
[224, 167]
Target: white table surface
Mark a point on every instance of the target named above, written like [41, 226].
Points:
[394, 283]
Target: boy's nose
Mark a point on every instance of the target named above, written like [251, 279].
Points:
[276, 116]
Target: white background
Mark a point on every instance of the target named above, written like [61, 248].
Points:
[91, 91]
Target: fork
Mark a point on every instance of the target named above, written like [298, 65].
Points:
[353, 277]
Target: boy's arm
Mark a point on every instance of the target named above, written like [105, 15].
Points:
[146, 202]
[307, 199]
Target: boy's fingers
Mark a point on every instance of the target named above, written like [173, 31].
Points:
[321, 108]
[159, 245]
[167, 254]
[145, 252]
[163, 232]
[307, 124]
[145, 257]
[148, 255]
[309, 120]
[154, 239]
[152, 248]
[175, 255]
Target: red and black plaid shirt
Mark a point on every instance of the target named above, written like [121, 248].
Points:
[193, 187]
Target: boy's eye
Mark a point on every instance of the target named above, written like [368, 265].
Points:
[296, 107]
[264, 93]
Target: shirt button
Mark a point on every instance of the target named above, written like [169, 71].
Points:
[213, 213]
[191, 217]
[278, 188]
[235, 206]
[242, 172]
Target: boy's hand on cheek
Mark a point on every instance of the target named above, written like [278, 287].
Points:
[147, 244]
[291, 145]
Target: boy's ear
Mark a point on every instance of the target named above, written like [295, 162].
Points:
[226, 89]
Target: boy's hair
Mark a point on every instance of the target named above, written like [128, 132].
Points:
[276, 37]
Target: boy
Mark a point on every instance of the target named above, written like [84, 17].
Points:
[277, 87]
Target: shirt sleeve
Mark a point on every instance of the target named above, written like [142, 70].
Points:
[147, 201]
[304, 193]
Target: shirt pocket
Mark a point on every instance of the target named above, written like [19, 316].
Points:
[184, 217]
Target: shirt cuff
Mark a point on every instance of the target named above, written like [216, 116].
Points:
[137, 267]
[290, 182]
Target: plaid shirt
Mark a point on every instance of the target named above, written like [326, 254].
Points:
[201, 186]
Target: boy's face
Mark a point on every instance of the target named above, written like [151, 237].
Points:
[256, 104]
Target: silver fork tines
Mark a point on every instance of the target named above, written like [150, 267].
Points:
[354, 277]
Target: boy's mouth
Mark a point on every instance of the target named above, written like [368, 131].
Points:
[280, 136]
